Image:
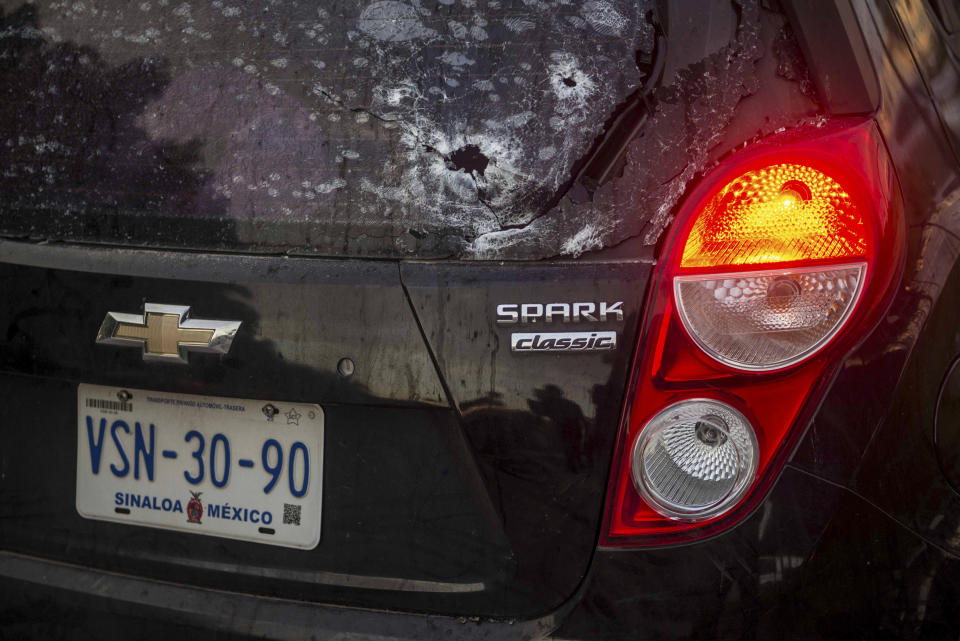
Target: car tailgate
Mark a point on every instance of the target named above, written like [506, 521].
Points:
[454, 495]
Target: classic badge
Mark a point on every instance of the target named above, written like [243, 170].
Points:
[551, 315]
[167, 333]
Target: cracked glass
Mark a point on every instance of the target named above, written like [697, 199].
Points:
[385, 129]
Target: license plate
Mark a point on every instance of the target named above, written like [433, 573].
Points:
[235, 468]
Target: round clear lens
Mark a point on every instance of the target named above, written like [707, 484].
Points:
[767, 319]
[695, 459]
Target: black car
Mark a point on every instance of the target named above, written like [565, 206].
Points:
[463, 319]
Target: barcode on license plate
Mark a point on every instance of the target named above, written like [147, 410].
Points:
[116, 406]
[291, 514]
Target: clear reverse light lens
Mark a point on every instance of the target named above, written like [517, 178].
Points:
[765, 320]
[695, 459]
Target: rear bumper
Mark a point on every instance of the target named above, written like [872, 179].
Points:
[815, 561]
[49, 599]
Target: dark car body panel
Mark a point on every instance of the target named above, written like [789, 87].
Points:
[272, 297]
[426, 507]
[817, 561]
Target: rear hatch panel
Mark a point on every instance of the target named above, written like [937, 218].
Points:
[488, 507]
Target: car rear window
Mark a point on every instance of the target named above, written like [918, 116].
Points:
[382, 129]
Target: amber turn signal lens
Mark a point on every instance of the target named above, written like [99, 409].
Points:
[780, 213]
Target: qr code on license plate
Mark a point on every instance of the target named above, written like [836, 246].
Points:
[291, 514]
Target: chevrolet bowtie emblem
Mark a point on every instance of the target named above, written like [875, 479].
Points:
[167, 333]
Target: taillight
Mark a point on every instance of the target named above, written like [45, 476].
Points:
[779, 262]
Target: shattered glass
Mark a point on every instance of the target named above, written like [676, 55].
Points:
[381, 129]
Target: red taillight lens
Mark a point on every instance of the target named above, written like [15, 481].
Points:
[777, 264]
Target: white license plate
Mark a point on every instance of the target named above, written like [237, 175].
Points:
[236, 468]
